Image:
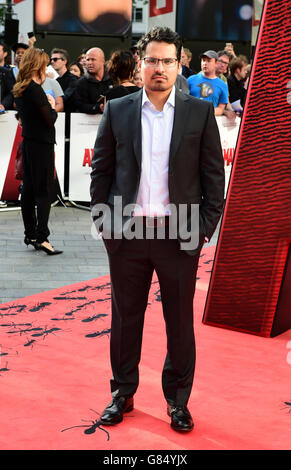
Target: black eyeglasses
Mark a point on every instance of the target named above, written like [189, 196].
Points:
[154, 62]
[54, 59]
[223, 62]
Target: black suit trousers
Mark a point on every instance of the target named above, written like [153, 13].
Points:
[131, 270]
[38, 183]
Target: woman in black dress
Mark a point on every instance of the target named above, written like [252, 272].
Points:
[37, 114]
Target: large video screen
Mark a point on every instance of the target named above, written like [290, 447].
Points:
[83, 16]
[215, 19]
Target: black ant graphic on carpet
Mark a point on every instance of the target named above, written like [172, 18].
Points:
[39, 306]
[87, 303]
[158, 295]
[23, 331]
[98, 333]
[95, 317]
[102, 287]
[62, 319]
[19, 307]
[69, 292]
[287, 405]
[90, 429]
[70, 298]
[82, 289]
[4, 353]
[29, 343]
[72, 311]
[4, 369]
[7, 314]
[45, 332]
[14, 325]
[42, 332]
[32, 343]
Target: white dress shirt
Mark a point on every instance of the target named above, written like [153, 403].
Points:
[156, 129]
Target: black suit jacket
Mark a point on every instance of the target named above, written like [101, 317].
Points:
[196, 168]
[236, 90]
[7, 82]
[88, 91]
[187, 72]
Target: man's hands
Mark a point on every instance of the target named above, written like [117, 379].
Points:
[51, 101]
[229, 48]
[102, 106]
[230, 114]
[31, 41]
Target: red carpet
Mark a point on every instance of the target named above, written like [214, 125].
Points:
[55, 372]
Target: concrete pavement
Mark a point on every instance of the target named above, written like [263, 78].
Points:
[25, 271]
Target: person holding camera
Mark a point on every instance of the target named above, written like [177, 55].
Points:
[94, 85]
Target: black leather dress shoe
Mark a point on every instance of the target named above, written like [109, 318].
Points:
[113, 413]
[181, 419]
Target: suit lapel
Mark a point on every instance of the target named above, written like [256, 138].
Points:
[134, 124]
[180, 120]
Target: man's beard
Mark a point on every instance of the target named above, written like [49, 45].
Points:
[159, 86]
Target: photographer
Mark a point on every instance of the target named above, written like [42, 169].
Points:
[94, 84]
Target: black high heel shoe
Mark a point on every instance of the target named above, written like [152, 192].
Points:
[29, 241]
[47, 250]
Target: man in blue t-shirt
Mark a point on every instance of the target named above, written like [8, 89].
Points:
[207, 86]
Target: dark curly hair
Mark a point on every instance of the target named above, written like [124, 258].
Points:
[160, 34]
[121, 66]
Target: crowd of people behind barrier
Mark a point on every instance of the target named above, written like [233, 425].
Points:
[84, 84]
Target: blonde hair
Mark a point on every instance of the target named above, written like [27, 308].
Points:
[188, 53]
[34, 62]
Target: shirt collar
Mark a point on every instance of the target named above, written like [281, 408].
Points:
[170, 100]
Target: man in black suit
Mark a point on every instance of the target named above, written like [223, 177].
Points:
[7, 82]
[157, 150]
